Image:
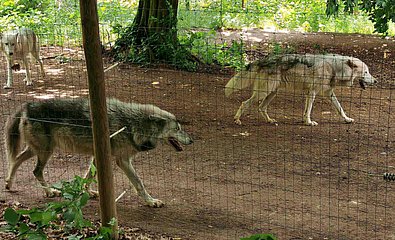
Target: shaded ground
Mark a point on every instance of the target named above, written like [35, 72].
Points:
[291, 180]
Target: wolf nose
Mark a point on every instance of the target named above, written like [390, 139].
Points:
[11, 53]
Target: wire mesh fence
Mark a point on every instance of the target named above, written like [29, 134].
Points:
[288, 179]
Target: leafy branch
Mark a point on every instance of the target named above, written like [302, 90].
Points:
[65, 216]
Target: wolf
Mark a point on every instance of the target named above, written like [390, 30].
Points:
[21, 44]
[65, 124]
[309, 74]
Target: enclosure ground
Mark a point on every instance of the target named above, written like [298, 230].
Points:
[295, 181]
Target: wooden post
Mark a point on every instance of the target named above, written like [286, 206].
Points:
[97, 94]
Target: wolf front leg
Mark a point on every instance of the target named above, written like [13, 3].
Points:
[338, 107]
[125, 163]
[9, 74]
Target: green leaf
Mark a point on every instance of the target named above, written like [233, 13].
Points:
[36, 236]
[260, 237]
[57, 186]
[11, 216]
[36, 217]
[47, 217]
[68, 196]
[113, 221]
[105, 231]
[23, 228]
[26, 212]
[84, 199]
[69, 215]
[93, 168]
[57, 206]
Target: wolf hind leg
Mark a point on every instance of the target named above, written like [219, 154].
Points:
[28, 78]
[14, 164]
[308, 108]
[245, 105]
[263, 107]
[126, 165]
[42, 159]
[36, 55]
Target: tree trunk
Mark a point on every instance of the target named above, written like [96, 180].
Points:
[152, 37]
[156, 18]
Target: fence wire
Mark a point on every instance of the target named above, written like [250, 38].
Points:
[330, 181]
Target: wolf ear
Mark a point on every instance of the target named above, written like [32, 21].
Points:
[158, 120]
[351, 64]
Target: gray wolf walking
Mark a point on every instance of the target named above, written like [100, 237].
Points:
[306, 73]
[21, 44]
[65, 124]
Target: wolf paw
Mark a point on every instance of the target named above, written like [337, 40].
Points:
[311, 123]
[93, 193]
[52, 193]
[237, 121]
[28, 83]
[348, 120]
[155, 203]
[271, 120]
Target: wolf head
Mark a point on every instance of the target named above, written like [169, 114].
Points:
[360, 72]
[174, 135]
[155, 125]
[8, 42]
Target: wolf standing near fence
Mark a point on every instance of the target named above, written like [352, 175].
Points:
[22, 44]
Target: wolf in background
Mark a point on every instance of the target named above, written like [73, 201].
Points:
[307, 73]
[22, 44]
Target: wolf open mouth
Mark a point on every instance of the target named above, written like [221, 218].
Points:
[175, 144]
[362, 84]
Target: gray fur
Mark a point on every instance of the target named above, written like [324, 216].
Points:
[65, 124]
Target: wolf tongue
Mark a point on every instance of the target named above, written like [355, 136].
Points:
[175, 144]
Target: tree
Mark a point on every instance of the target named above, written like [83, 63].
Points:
[152, 37]
[380, 12]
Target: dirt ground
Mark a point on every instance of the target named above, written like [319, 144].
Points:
[291, 180]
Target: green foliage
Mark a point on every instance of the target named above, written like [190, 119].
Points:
[380, 12]
[309, 15]
[260, 237]
[202, 45]
[59, 21]
[66, 214]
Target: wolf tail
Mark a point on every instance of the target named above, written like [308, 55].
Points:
[13, 135]
[240, 81]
